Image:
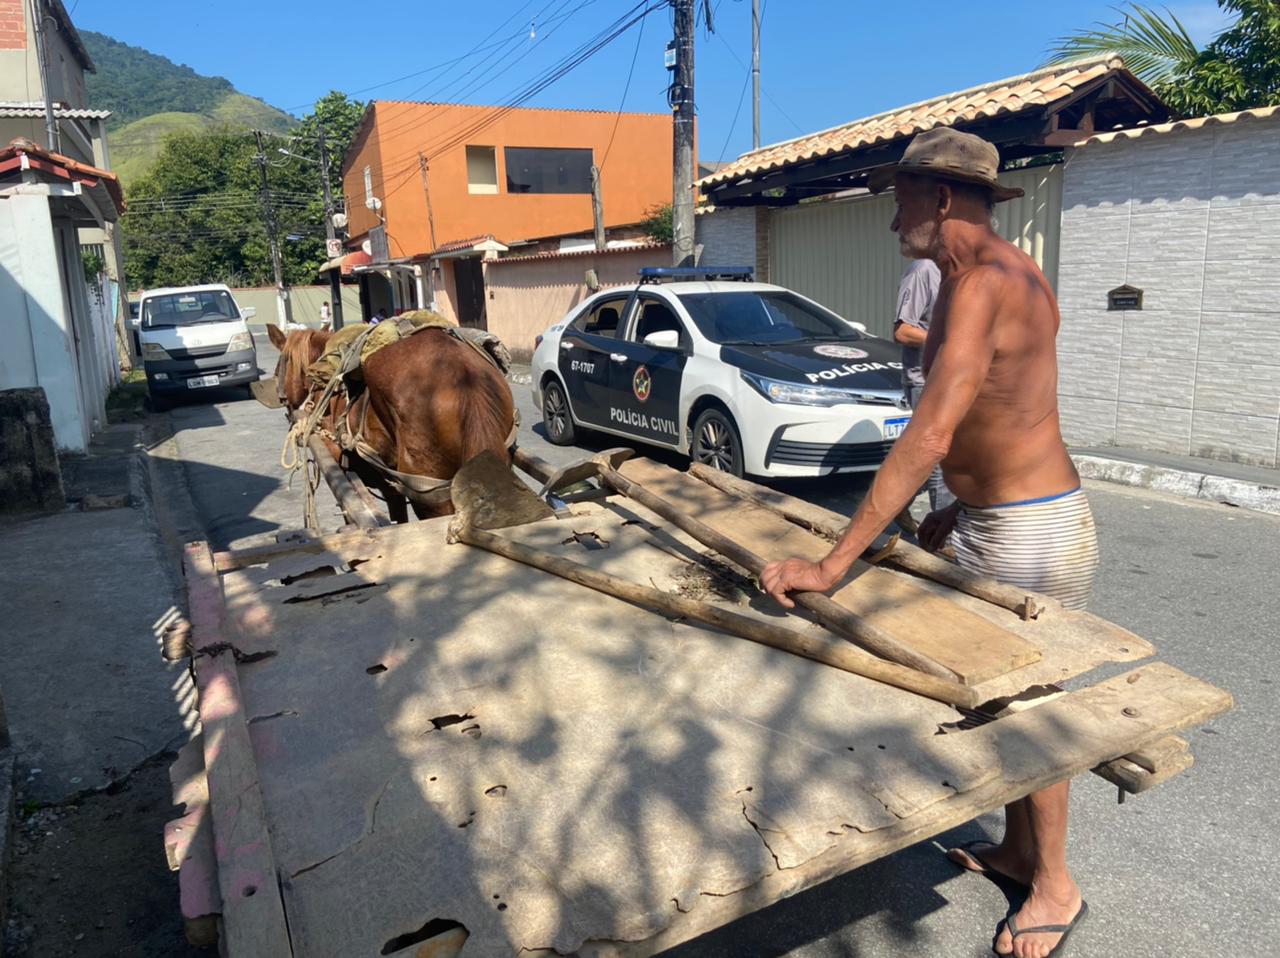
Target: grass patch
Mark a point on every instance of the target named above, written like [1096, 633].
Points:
[126, 400]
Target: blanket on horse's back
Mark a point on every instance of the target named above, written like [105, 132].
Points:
[350, 347]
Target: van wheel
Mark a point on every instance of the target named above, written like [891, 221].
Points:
[556, 417]
[716, 442]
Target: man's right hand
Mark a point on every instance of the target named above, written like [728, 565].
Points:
[936, 526]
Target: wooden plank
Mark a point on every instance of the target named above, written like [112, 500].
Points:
[831, 525]
[253, 914]
[353, 506]
[1034, 749]
[972, 647]
[1148, 766]
[817, 647]
[188, 841]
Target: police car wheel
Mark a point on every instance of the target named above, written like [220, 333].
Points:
[716, 442]
[555, 415]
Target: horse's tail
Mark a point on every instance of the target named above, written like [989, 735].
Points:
[487, 410]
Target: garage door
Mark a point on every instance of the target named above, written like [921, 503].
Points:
[842, 254]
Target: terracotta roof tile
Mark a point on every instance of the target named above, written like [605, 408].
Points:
[1177, 126]
[1039, 88]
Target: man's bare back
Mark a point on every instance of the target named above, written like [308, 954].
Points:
[1008, 447]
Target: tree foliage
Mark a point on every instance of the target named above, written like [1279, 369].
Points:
[132, 82]
[1238, 70]
[196, 216]
[657, 223]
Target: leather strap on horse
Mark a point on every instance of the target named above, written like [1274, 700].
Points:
[426, 490]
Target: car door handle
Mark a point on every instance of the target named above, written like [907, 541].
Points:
[566, 346]
[618, 357]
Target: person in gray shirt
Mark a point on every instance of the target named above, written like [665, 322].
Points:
[917, 292]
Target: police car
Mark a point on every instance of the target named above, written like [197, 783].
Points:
[746, 377]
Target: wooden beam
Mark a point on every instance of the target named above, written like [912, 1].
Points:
[815, 646]
[1035, 749]
[253, 912]
[356, 510]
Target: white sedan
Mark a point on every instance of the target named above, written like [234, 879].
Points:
[746, 377]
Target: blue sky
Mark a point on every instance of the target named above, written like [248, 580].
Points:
[823, 62]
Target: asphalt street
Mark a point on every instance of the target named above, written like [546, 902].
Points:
[1189, 868]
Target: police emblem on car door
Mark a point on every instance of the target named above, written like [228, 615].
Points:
[645, 377]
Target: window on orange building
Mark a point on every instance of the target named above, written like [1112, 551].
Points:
[482, 169]
[547, 170]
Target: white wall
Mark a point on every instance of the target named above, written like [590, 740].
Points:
[1192, 217]
[35, 318]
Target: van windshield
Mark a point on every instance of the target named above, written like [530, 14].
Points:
[188, 309]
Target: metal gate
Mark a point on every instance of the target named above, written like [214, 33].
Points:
[842, 254]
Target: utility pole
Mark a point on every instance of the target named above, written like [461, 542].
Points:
[683, 159]
[335, 274]
[597, 207]
[284, 310]
[52, 133]
[755, 74]
[431, 225]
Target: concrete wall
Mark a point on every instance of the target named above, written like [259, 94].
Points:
[726, 236]
[30, 475]
[306, 303]
[525, 296]
[36, 319]
[1192, 217]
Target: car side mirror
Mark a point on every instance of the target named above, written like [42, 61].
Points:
[249, 312]
[135, 322]
[860, 327]
[663, 339]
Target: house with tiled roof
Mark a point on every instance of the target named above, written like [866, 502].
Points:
[433, 190]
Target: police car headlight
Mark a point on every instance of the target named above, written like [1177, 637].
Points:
[797, 394]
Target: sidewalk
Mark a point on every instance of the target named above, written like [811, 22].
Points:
[88, 697]
[1249, 487]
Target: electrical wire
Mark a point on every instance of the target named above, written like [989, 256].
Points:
[625, 90]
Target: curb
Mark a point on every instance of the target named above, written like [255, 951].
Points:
[8, 809]
[1178, 482]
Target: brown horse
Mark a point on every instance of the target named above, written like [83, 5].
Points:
[434, 403]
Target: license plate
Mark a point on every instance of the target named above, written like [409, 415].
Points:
[202, 381]
[893, 427]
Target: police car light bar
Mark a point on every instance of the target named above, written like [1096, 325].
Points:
[655, 274]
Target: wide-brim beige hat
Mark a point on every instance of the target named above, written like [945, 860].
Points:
[948, 155]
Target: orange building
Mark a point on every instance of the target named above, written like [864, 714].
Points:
[434, 188]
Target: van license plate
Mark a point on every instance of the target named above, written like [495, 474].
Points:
[202, 381]
[893, 427]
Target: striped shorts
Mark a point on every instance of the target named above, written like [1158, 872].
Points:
[1045, 545]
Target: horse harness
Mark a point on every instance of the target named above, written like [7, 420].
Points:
[425, 490]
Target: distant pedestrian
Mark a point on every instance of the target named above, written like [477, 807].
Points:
[917, 293]
[326, 318]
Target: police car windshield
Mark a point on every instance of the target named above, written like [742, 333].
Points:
[746, 317]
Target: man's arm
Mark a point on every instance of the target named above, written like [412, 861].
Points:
[957, 374]
[908, 335]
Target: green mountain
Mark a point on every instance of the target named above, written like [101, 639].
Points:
[150, 97]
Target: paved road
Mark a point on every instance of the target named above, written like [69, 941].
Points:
[1187, 869]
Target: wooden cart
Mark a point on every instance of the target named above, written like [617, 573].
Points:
[407, 744]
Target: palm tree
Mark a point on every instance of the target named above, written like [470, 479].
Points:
[1155, 47]
[1238, 70]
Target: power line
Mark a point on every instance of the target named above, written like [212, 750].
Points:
[777, 106]
[625, 90]
[559, 70]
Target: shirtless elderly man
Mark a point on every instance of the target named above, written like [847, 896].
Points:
[989, 415]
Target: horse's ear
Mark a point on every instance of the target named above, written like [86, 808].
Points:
[275, 335]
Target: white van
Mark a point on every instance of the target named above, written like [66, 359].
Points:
[194, 337]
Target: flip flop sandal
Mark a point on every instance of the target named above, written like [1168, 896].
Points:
[971, 849]
[1064, 930]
